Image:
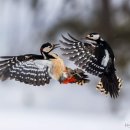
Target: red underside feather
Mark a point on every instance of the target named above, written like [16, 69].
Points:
[69, 80]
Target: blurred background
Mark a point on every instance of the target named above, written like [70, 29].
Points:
[25, 25]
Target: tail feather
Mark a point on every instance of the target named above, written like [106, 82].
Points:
[80, 76]
[110, 84]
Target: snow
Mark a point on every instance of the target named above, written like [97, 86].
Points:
[57, 107]
[51, 120]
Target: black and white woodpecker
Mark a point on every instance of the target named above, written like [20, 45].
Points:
[39, 69]
[94, 55]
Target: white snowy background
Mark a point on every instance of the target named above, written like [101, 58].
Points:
[54, 106]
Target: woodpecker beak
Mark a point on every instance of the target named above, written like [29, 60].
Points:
[56, 46]
[86, 37]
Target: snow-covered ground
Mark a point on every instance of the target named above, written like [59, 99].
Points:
[67, 107]
[51, 120]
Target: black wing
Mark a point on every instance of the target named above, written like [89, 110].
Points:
[86, 55]
[24, 69]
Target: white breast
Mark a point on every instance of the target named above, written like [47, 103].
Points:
[105, 59]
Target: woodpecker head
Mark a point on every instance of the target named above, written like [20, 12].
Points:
[94, 37]
[48, 47]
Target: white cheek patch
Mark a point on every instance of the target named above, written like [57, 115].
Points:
[47, 49]
[105, 59]
[95, 37]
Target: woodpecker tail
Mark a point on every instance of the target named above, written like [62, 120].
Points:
[75, 76]
[111, 84]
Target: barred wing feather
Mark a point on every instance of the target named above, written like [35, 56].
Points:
[25, 69]
[86, 55]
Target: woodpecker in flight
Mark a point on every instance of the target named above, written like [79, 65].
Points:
[95, 56]
[39, 69]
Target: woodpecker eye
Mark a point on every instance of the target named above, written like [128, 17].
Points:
[91, 35]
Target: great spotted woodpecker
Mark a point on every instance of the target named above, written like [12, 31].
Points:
[39, 69]
[94, 55]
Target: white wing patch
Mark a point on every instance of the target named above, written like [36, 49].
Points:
[105, 58]
[41, 63]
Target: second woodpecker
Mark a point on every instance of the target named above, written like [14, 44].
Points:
[94, 55]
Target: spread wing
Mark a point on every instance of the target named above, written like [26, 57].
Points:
[87, 55]
[29, 69]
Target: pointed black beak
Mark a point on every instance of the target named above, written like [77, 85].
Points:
[86, 37]
[56, 46]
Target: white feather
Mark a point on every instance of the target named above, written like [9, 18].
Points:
[105, 59]
[41, 63]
